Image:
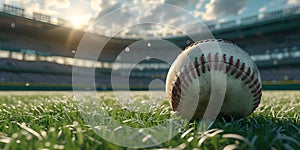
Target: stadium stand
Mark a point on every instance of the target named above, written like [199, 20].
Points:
[36, 51]
[282, 73]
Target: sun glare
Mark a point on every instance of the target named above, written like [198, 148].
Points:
[79, 19]
[77, 23]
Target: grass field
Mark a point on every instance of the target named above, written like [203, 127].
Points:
[53, 121]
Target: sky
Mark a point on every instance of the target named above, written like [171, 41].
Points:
[83, 13]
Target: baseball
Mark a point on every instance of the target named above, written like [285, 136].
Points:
[213, 77]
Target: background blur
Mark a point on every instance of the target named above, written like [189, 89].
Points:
[37, 49]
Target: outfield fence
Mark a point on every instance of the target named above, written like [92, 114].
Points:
[27, 86]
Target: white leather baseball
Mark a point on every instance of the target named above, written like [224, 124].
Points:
[219, 64]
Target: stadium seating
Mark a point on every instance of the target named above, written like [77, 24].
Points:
[46, 72]
[279, 74]
[42, 56]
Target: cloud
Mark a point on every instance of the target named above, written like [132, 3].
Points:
[18, 3]
[169, 16]
[49, 7]
[189, 5]
[292, 2]
[241, 11]
[182, 3]
[165, 15]
[222, 8]
[56, 4]
[143, 1]
[30, 6]
[100, 5]
[262, 9]
[272, 6]
[208, 10]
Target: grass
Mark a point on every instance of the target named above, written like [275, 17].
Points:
[53, 121]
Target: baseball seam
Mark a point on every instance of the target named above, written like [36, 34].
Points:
[210, 40]
[234, 66]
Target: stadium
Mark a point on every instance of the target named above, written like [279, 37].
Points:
[38, 54]
[271, 40]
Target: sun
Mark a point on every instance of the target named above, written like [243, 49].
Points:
[78, 16]
[78, 22]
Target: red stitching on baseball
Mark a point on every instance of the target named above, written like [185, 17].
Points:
[256, 89]
[209, 61]
[177, 83]
[251, 86]
[223, 62]
[196, 64]
[256, 81]
[186, 72]
[230, 64]
[256, 101]
[251, 78]
[181, 81]
[258, 92]
[191, 69]
[185, 83]
[247, 74]
[241, 71]
[202, 63]
[175, 102]
[176, 94]
[216, 61]
[237, 65]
